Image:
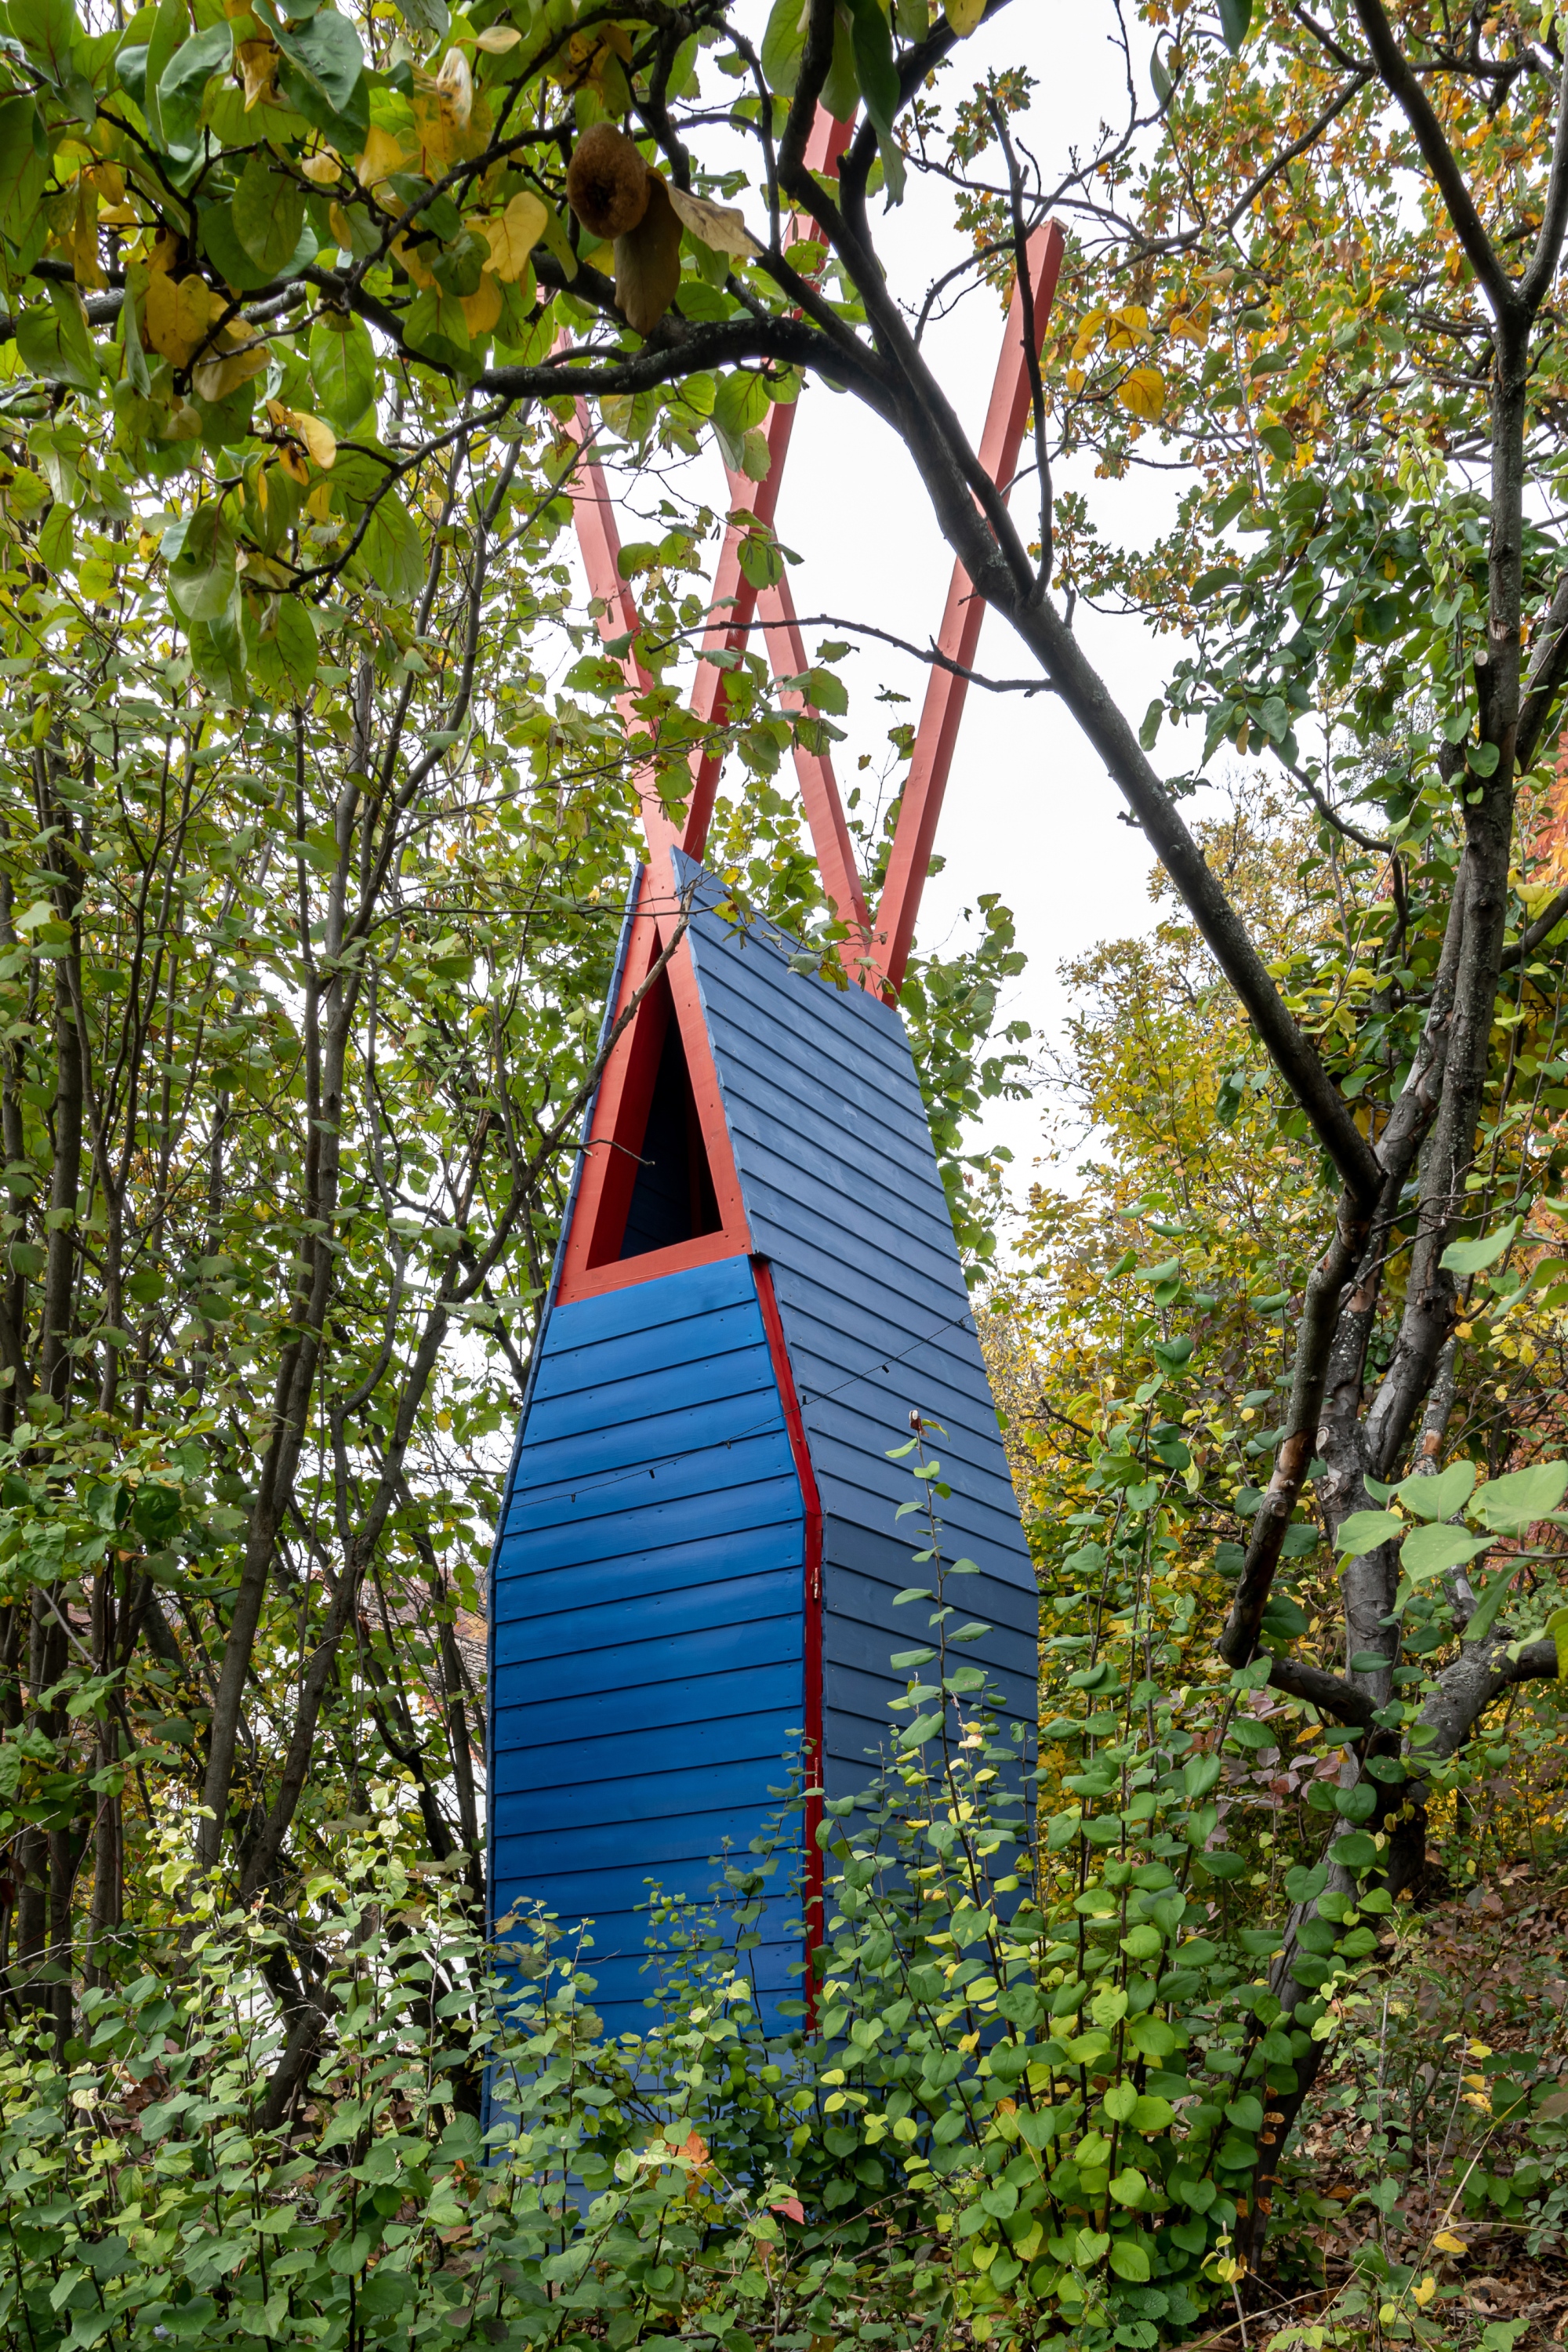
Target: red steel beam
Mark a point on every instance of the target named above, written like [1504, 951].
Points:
[937, 735]
[819, 791]
[734, 599]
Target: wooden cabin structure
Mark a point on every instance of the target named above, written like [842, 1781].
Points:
[757, 1282]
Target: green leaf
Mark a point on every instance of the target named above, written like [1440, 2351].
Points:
[1474, 1256]
[199, 551]
[55, 538]
[268, 212]
[393, 549]
[1235, 17]
[739, 403]
[55, 341]
[871, 38]
[1484, 1615]
[48, 31]
[171, 28]
[1221, 1864]
[1557, 1626]
[24, 165]
[1431, 1550]
[1507, 1506]
[1199, 1774]
[1438, 1497]
[783, 43]
[1129, 2259]
[286, 654]
[1364, 1530]
[343, 371]
[1481, 759]
[326, 54]
[130, 339]
[220, 243]
[1355, 1851]
[184, 81]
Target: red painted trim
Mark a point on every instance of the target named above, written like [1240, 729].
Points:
[620, 1113]
[734, 600]
[772, 1323]
[819, 786]
[624, 1273]
[937, 735]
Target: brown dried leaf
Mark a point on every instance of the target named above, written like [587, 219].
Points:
[722, 227]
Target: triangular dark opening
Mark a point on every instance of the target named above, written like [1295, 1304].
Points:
[659, 1190]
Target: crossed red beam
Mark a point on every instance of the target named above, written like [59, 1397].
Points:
[877, 947]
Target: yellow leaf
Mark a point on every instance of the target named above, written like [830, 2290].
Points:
[324, 168]
[483, 308]
[722, 227]
[338, 221]
[1126, 329]
[433, 121]
[216, 377]
[455, 87]
[319, 438]
[1193, 326]
[495, 39]
[319, 502]
[409, 256]
[512, 239]
[176, 315]
[1143, 394]
[382, 155]
[1075, 379]
[1424, 2293]
[78, 238]
[1446, 2244]
[1089, 328]
[258, 65]
[963, 16]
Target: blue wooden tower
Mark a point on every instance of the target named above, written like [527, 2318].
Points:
[757, 1282]
[698, 1558]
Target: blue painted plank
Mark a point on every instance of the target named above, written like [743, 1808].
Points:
[718, 1373]
[656, 1617]
[699, 1290]
[763, 1062]
[686, 1700]
[702, 1650]
[649, 1796]
[619, 1757]
[601, 1895]
[672, 1432]
[757, 1452]
[690, 1502]
[767, 1534]
[546, 1855]
[629, 1354]
[868, 1595]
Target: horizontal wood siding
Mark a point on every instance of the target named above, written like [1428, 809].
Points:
[648, 1676]
[844, 1198]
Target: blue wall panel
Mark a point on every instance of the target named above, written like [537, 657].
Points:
[648, 1669]
[844, 1197]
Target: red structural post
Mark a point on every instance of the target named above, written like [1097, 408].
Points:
[943, 710]
[876, 953]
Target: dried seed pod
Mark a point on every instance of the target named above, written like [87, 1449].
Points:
[607, 182]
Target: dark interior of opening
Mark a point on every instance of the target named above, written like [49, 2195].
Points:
[669, 1197]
